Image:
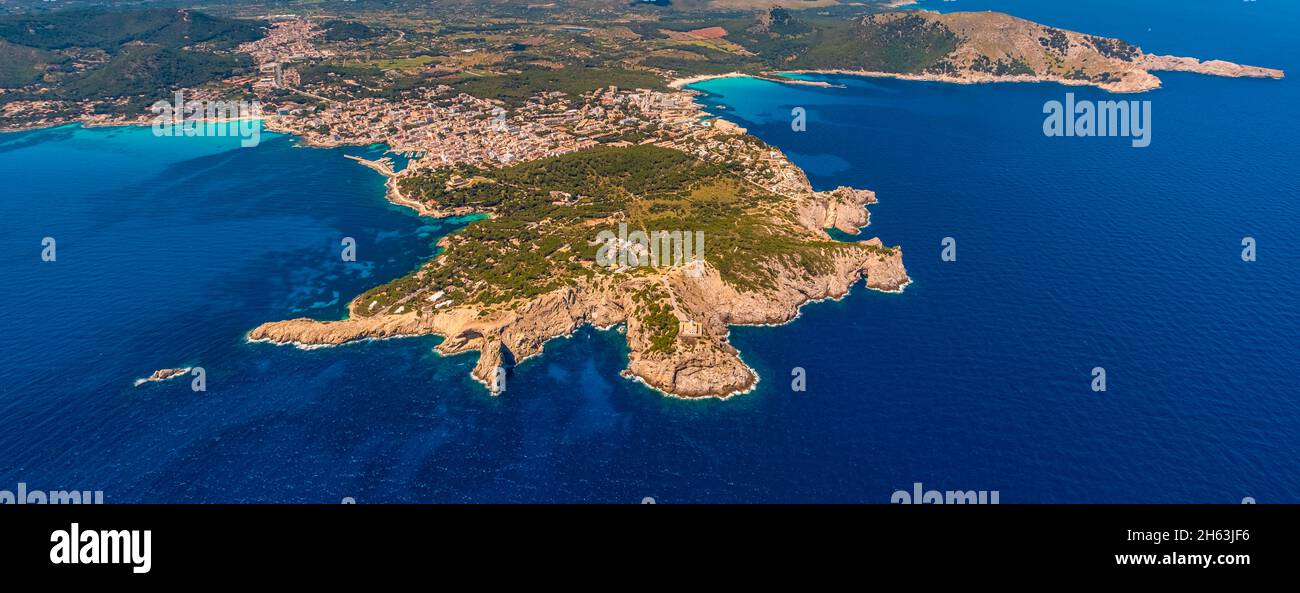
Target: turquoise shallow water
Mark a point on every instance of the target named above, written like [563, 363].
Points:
[1073, 253]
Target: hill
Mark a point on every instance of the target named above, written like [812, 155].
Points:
[109, 30]
[21, 65]
[960, 47]
[102, 55]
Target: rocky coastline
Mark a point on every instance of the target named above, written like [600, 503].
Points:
[703, 364]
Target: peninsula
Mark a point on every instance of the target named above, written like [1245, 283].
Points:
[506, 285]
[966, 47]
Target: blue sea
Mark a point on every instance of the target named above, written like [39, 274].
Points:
[1072, 253]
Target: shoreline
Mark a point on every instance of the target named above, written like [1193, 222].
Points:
[625, 373]
[682, 83]
[308, 334]
[776, 77]
[979, 79]
[81, 121]
[1147, 82]
[393, 191]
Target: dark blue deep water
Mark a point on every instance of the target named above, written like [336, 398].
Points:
[1072, 253]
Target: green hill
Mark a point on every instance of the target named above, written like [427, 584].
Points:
[151, 71]
[103, 55]
[109, 30]
[21, 65]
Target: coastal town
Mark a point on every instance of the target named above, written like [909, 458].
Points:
[443, 128]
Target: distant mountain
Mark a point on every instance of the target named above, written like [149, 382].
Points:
[151, 71]
[341, 30]
[99, 54]
[21, 65]
[960, 46]
[108, 30]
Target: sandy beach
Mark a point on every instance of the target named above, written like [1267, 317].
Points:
[683, 82]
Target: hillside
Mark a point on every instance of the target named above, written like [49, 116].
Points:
[151, 72]
[144, 54]
[963, 47]
[109, 30]
[21, 65]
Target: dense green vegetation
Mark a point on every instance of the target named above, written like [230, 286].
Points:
[21, 65]
[341, 30]
[335, 72]
[109, 30]
[1115, 48]
[657, 317]
[902, 44]
[540, 239]
[151, 72]
[139, 54]
[538, 242]
[883, 43]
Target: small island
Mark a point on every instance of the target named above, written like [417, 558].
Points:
[161, 375]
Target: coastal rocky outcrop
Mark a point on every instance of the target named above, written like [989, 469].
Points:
[162, 375]
[843, 209]
[702, 362]
[1209, 67]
